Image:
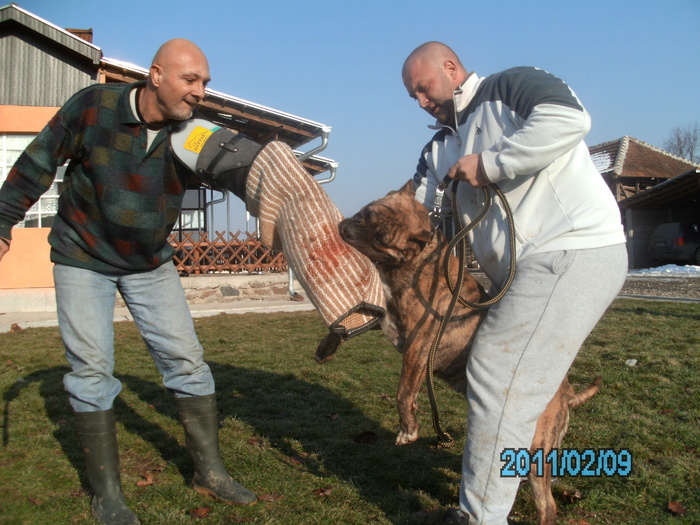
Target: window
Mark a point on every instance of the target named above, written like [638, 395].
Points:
[41, 215]
[192, 217]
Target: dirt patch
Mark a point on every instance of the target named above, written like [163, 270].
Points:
[682, 287]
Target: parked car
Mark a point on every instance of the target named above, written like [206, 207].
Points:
[677, 242]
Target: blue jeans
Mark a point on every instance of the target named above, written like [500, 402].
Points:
[85, 303]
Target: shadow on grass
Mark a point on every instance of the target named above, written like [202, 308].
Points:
[298, 417]
[60, 413]
[58, 410]
[295, 416]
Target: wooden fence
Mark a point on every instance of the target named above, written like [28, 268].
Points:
[195, 254]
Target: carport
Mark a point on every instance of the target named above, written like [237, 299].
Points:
[677, 199]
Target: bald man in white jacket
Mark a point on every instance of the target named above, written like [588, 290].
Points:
[523, 130]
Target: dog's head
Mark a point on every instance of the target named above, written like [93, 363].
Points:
[391, 231]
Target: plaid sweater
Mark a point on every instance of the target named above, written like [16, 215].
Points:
[120, 199]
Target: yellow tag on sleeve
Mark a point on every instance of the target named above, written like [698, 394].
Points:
[197, 138]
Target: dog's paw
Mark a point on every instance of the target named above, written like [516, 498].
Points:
[406, 438]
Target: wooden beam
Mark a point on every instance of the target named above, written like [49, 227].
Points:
[252, 116]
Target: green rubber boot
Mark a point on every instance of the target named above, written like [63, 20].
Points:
[98, 436]
[201, 422]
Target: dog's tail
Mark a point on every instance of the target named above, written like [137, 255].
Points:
[579, 399]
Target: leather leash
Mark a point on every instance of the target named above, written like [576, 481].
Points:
[459, 242]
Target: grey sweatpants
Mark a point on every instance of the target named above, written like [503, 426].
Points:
[521, 354]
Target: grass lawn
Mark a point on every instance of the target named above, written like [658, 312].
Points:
[316, 442]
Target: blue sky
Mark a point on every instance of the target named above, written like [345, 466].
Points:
[634, 64]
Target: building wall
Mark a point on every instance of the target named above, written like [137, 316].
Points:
[38, 72]
[640, 224]
[25, 119]
[41, 68]
[27, 264]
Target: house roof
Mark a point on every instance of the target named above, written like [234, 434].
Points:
[233, 112]
[682, 191]
[12, 13]
[260, 123]
[630, 157]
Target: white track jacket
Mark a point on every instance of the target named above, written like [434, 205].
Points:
[528, 127]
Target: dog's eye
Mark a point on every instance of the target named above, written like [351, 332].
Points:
[379, 239]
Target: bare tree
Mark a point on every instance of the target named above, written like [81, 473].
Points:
[684, 141]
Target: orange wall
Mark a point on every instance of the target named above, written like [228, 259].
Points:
[27, 264]
[25, 119]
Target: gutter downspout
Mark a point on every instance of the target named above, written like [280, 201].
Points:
[210, 204]
[325, 131]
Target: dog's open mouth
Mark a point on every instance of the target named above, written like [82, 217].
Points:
[373, 247]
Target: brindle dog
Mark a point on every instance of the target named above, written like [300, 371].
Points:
[396, 233]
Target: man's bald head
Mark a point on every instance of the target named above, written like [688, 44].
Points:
[432, 54]
[431, 74]
[176, 84]
[173, 49]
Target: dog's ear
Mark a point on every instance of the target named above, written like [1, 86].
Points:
[408, 188]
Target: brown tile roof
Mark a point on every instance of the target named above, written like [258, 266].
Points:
[629, 157]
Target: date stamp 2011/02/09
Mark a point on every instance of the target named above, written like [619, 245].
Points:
[521, 462]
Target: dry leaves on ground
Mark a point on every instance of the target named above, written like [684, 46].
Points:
[572, 496]
[146, 481]
[270, 497]
[676, 508]
[200, 512]
[325, 492]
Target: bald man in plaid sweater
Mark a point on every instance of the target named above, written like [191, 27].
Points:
[121, 196]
